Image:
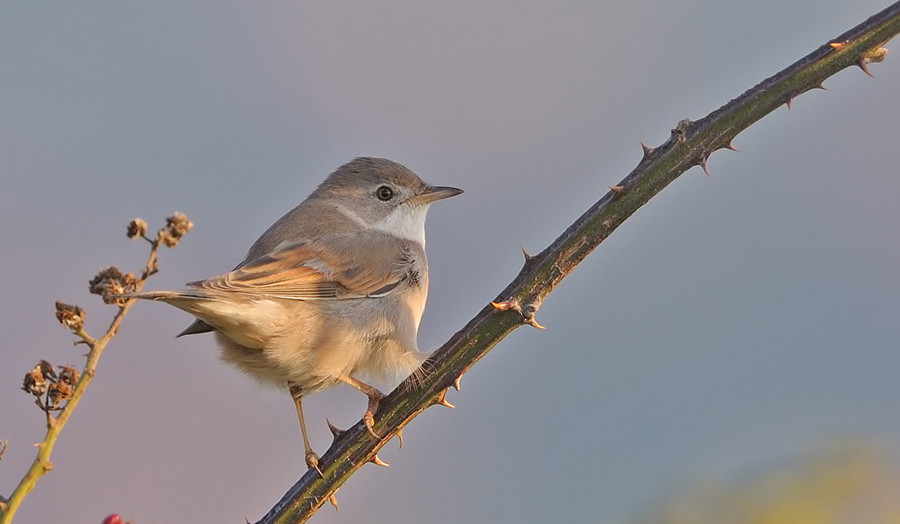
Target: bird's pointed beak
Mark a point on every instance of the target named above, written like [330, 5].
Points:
[435, 193]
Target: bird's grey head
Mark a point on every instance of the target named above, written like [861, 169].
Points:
[382, 195]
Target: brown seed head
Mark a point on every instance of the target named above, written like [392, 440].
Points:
[34, 382]
[47, 370]
[70, 316]
[68, 375]
[110, 282]
[177, 226]
[59, 391]
[137, 228]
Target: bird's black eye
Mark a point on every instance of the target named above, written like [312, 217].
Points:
[384, 193]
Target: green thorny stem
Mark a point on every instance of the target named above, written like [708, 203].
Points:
[690, 145]
[55, 424]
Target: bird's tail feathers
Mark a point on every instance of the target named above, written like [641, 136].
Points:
[188, 300]
[165, 295]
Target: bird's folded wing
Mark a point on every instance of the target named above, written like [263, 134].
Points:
[302, 271]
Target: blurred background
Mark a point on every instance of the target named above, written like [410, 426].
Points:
[740, 326]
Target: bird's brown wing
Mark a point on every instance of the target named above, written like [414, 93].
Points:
[346, 267]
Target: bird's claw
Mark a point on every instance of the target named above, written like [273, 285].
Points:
[369, 421]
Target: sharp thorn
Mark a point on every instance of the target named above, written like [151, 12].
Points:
[442, 400]
[788, 103]
[729, 147]
[400, 437]
[837, 45]
[335, 431]
[862, 65]
[378, 462]
[506, 304]
[871, 56]
[703, 165]
[820, 86]
[646, 149]
[456, 382]
[615, 189]
[528, 257]
[333, 500]
[533, 323]
[513, 304]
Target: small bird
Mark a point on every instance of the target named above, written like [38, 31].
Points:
[332, 291]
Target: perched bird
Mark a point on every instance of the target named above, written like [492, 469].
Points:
[332, 291]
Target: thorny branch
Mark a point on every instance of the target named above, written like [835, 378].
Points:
[57, 392]
[690, 144]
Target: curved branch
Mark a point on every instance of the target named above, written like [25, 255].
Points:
[690, 145]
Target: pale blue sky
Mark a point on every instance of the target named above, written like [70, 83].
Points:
[738, 320]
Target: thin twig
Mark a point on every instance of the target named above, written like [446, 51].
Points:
[42, 465]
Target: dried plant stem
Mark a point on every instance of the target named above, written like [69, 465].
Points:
[690, 145]
[55, 424]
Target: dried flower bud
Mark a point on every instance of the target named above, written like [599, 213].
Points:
[47, 370]
[68, 374]
[110, 283]
[167, 239]
[137, 228]
[70, 316]
[59, 392]
[34, 382]
[99, 284]
[177, 226]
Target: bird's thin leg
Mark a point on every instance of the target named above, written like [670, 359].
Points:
[375, 397]
[312, 460]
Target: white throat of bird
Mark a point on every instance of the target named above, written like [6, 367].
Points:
[407, 221]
